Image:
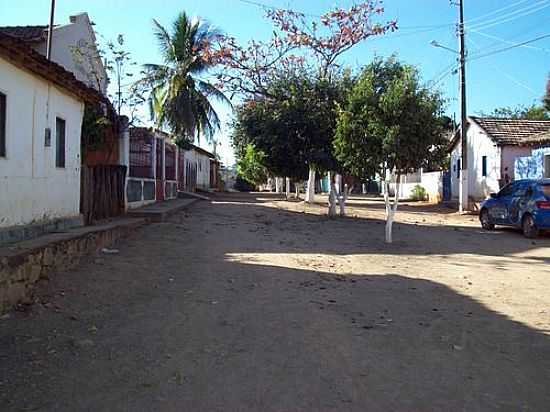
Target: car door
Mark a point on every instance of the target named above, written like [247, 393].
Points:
[518, 202]
[499, 209]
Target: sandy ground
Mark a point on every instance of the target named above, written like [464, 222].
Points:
[250, 303]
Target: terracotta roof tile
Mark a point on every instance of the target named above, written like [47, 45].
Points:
[512, 131]
[26, 33]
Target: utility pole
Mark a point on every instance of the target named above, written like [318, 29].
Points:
[50, 31]
[463, 182]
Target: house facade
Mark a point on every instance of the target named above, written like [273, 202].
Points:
[494, 144]
[41, 110]
[158, 169]
[73, 47]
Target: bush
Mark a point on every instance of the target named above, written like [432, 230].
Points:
[419, 193]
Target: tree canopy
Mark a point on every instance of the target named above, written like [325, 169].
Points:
[389, 121]
[533, 112]
[251, 166]
[295, 126]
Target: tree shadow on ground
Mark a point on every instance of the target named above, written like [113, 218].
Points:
[187, 318]
[366, 235]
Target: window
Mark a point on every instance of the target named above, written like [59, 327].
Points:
[59, 142]
[3, 114]
[508, 190]
[484, 166]
[458, 169]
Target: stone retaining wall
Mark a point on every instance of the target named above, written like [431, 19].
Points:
[24, 264]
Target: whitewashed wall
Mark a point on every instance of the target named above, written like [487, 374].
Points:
[479, 145]
[203, 167]
[86, 65]
[32, 188]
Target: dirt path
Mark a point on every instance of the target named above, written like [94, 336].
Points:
[249, 304]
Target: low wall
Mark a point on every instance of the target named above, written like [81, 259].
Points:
[140, 192]
[432, 182]
[22, 267]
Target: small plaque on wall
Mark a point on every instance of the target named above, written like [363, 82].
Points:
[48, 137]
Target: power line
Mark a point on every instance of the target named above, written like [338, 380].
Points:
[489, 36]
[516, 81]
[479, 56]
[496, 11]
[511, 16]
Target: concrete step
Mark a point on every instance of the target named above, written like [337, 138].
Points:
[191, 195]
[160, 211]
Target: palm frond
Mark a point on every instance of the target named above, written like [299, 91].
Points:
[164, 41]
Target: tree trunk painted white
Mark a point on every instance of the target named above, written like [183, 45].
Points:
[391, 208]
[338, 182]
[287, 187]
[297, 189]
[278, 185]
[342, 199]
[331, 196]
[310, 193]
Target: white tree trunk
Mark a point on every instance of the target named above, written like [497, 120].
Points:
[338, 182]
[287, 187]
[342, 199]
[331, 196]
[391, 209]
[278, 185]
[297, 189]
[310, 193]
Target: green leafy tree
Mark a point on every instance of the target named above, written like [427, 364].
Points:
[180, 93]
[251, 166]
[390, 125]
[533, 112]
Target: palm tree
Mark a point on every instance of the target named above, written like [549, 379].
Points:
[180, 94]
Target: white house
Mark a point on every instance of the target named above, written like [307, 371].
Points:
[41, 109]
[73, 47]
[198, 162]
[493, 146]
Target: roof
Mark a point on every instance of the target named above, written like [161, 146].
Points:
[22, 55]
[541, 138]
[26, 33]
[203, 151]
[516, 132]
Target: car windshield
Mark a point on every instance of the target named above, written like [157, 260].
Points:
[546, 190]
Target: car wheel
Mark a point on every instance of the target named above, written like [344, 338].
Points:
[486, 220]
[529, 229]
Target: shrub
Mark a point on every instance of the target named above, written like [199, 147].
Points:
[419, 193]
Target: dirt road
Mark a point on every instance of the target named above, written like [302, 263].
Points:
[248, 303]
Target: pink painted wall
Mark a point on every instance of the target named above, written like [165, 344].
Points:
[509, 155]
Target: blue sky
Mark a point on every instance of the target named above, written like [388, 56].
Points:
[511, 78]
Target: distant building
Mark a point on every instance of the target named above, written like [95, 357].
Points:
[158, 169]
[494, 144]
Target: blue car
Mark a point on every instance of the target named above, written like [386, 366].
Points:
[524, 204]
